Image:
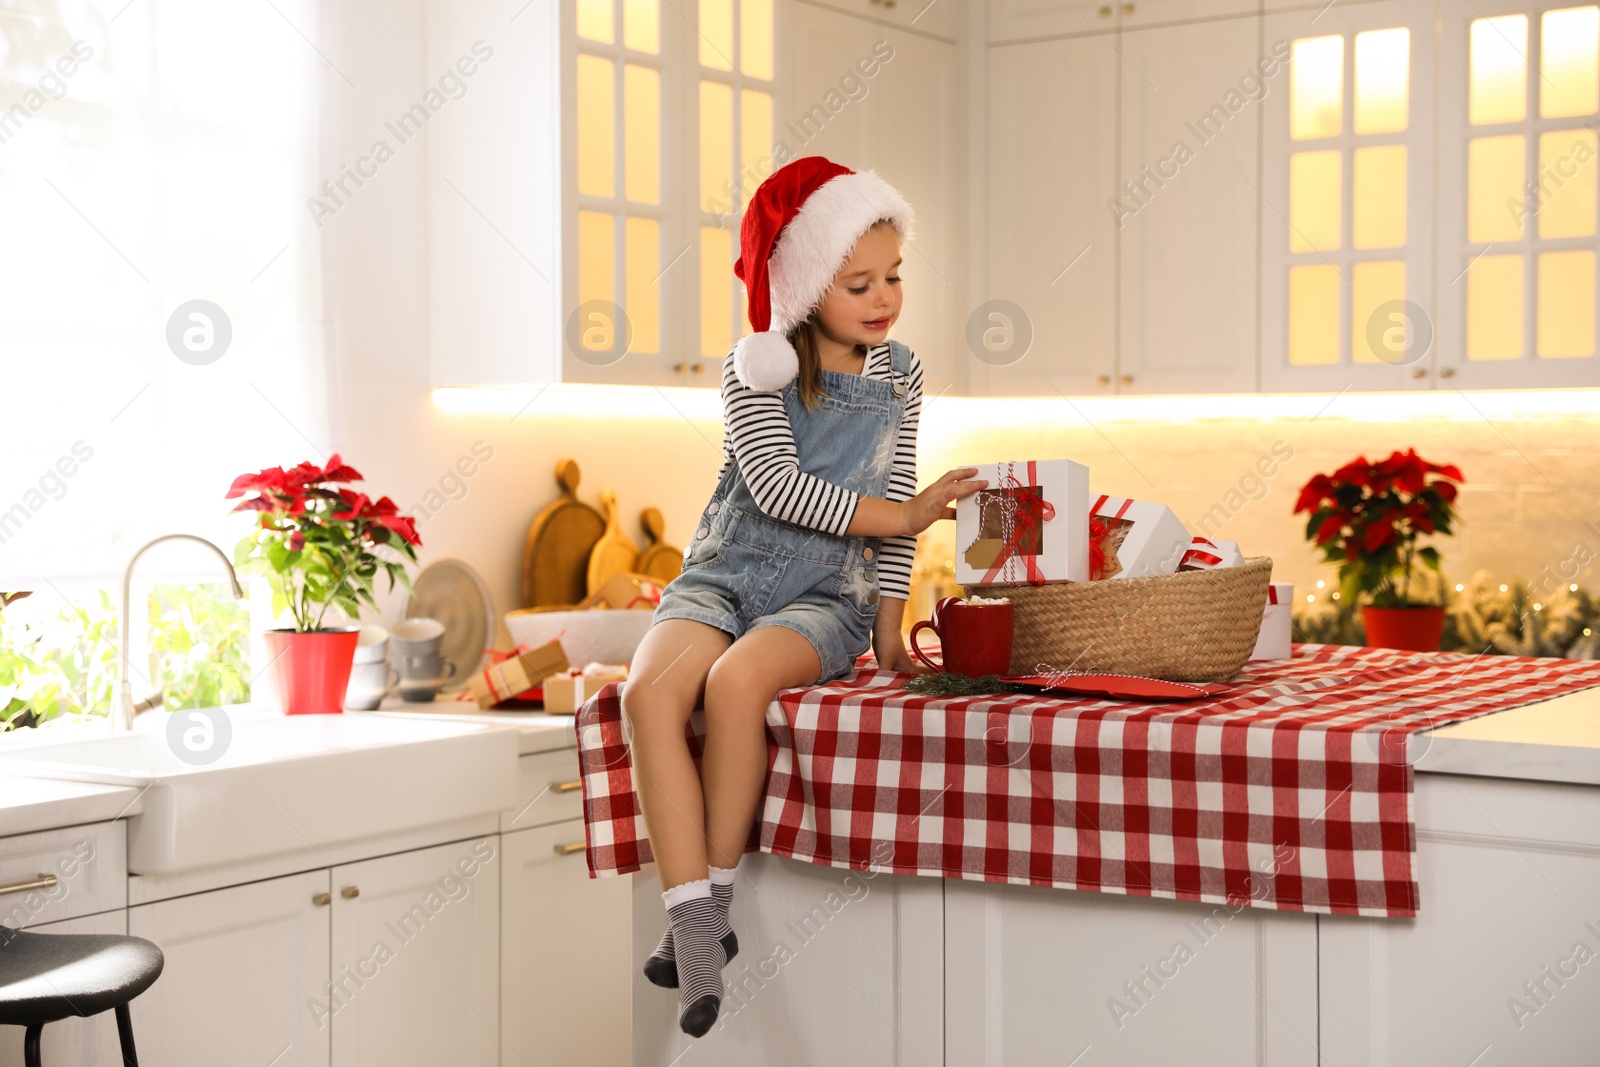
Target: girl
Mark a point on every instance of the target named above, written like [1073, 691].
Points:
[803, 553]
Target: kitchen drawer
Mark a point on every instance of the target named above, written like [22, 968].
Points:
[547, 791]
[62, 874]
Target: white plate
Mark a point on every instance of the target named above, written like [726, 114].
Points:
[455, 594]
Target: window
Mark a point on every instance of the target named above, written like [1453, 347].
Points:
[660, 189]
[1349, 158]
[1528, 252]
[151, 157]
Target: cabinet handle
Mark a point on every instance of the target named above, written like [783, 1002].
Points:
[1104, 379]
[1418, 372]
[680, 367]
[350, 892]
[43, 881]
[1127, 9]
[699, 368]
[1447, 372]
[322, 900]
[566, 787]
[1105, 11]
[567, 850]
[1127, 379]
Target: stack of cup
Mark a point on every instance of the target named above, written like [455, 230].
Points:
[371, 677]
[417, 658]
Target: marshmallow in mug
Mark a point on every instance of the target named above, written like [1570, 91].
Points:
[987, 600]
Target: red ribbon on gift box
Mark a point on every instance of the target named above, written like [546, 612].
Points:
[1272, 593]
[1197, 556]
[1032, 512]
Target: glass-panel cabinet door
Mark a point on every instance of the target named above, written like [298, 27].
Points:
[1347, 173]
[669, 130]
[1519, 99]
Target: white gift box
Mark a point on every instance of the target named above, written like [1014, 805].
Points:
[1205, 554]
[1277, 627]
[1141, 539]
[1031, 524]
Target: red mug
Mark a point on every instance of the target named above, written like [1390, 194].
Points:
[975, 638]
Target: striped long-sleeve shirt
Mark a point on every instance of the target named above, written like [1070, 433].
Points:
[760, 440]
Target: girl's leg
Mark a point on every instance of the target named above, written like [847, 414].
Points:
[734, 767]
[665, 683]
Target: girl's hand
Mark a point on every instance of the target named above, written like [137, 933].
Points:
[889, 646]
[933, 503]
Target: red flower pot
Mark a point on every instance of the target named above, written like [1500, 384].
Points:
[311, 670]
[1410, 629]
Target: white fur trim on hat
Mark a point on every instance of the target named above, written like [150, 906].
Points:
[765, 361]
[820, 238]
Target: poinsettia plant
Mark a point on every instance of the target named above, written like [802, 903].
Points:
[319, 543]
[1367, 518]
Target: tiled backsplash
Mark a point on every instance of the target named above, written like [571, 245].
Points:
[1531, 497]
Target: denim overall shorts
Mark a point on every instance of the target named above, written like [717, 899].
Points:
[744, 569]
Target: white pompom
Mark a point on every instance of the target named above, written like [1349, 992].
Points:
[765, 361]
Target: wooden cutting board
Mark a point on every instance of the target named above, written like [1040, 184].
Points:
[660, 560]
[614, 552]
[555, 562]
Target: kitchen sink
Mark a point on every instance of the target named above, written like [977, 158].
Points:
[287, 783]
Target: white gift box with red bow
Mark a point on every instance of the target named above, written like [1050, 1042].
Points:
[1277, 626]
[1029, 525]
[1141, 539]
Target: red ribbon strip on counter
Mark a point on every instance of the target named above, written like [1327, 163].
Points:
[1032, 512]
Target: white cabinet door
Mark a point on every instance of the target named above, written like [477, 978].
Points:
[415, 961]
[834, 967]
[1186, 208]
[245, 969]
[905, 122]
[564, 954]
[1037, 975]
[1052, 173]
[1011, 20]
[90, 1042]
[1502, 964]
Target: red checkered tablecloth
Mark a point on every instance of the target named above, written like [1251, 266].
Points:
[1292, 791]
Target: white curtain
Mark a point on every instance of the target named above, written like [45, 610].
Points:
[152, 153]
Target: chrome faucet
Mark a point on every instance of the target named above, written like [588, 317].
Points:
[122, 703]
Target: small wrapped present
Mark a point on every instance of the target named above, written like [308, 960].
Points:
[512, 677]
[1030, 525]
[1277, 627]
[565, 693]
[1134, 539]
[1205, 554]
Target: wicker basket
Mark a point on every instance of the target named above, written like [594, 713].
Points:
[1193, 626]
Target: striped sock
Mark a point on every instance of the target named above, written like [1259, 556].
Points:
[694, 916]
[662, 966]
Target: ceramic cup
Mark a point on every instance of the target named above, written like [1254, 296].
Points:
[975, 638]
[373, 644]
[416, 637]
[369, 684]
[422, 675]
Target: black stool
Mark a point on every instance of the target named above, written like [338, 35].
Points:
[46, 977]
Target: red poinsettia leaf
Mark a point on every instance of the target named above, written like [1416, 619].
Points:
[1329, 529]
[1446, 491]
[1378, 534]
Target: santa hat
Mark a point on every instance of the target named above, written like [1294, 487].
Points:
[799, 229]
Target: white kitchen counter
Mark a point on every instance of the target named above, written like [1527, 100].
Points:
[1552, 741]
[29, 804]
